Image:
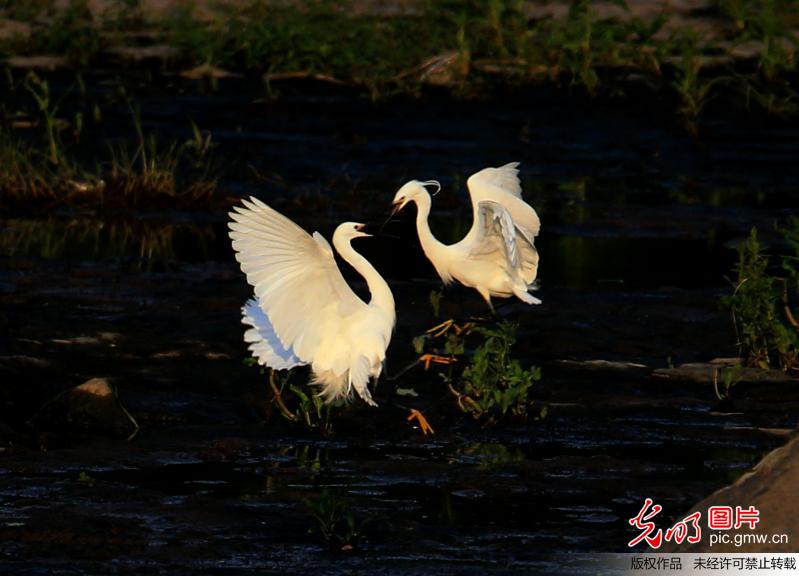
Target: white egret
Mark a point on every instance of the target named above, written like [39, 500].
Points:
[304, 312]
[497, 257]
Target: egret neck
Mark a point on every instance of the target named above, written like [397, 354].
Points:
[382, 298]
[432, 248]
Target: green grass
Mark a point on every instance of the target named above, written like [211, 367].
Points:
[490, 44]
[493, 42]
[492, 385]
[300, 403]
[765, 302]
[335, 520]
[40, 172]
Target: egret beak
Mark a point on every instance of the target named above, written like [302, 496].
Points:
[396, 207]
[360, 228]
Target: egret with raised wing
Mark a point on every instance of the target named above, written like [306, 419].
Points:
[304, 312]
[497, 257]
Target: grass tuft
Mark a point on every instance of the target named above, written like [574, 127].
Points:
[764, 302]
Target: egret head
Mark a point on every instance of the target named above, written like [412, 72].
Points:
[410, 191]
[350, 230]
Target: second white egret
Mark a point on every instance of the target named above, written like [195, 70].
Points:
[497, 257]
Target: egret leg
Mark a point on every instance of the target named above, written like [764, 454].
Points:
[425, 359]
[424, 425]
[278, 398]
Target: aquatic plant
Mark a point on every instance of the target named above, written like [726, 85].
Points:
[177, 174]
[764, 304]
[152, 171]
[693, 90]
[28, 176]
[728, 376]
[769, 24]
[335, 520]
[40, 91]
[494, 384]
[298, 403]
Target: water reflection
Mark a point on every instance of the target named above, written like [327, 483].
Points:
[570, 260]
[146, 244]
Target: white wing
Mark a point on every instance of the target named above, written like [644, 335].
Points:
[264, 343]
[496, 235]
[502, 185]
[297, 282]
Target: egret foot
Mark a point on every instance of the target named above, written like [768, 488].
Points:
[447, 325]
[424, 425]
[440, 329]
[435, 358]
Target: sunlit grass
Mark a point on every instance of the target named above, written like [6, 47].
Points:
[494, 43]
[765, 302]
[147, 173]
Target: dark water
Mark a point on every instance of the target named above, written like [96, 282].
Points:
[638, 221]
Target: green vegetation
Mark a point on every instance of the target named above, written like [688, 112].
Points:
[728, 376]
[765, 302]
[152, 172]
[299, 404]
[336, 522]
[469, 48]
[40, 172]
[466, 45]
[493, 384]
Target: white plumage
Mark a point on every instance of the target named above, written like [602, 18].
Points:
[497, 257]
[304, 312]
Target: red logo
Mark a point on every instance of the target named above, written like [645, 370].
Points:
[719, 517]
[688, 529]
[749, 516]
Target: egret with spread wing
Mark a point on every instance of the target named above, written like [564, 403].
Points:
[304, 312]
[497, 257]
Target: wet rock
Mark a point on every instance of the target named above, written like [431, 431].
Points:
[18, 364]
[143, 53]
[443, 70]
[208, 71]
[43, 62]
[91, 409]
[607, 367]
[771, 488]
[710, 372]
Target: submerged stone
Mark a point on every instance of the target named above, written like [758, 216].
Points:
[90, 409]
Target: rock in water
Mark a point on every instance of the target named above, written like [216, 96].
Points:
[770, 487]
[91, 409]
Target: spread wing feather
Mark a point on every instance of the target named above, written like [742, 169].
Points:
[264, 343]
[496, 232]
[502, 185]
[297, 282]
